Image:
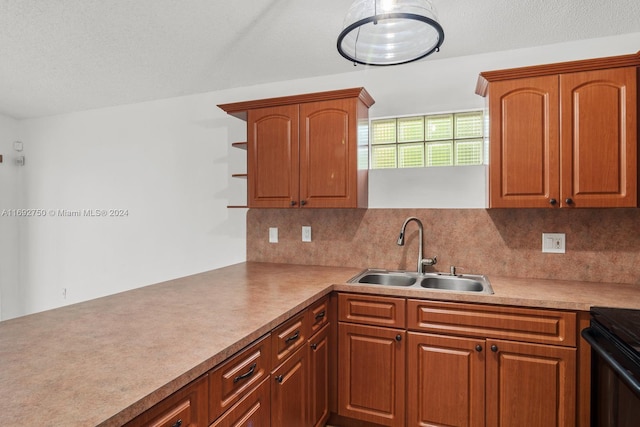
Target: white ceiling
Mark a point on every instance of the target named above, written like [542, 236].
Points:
[59, 56]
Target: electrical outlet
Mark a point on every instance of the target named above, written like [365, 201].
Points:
[273, 234]
[553, 243]
[306, 233]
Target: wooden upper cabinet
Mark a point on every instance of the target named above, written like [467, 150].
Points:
[272, 156]
[524, 151]
[599, 138]
[563, 135]
[308, 151]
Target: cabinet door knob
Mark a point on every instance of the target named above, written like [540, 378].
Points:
[314, 346]
[177, 424]
[398, 337]
[568, 201]
[303, 202]
[279, 379]
[553, 201]
[293, 203]
[494, 348]
[478, 347]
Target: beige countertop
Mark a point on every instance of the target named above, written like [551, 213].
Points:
[104, 361]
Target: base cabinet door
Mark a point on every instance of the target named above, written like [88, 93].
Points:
[530, 385]
[252, 410]
[319, 378]
[445, 381]
[289, 391]
[371, 374]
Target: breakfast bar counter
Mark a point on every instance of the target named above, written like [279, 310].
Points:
[104, 361]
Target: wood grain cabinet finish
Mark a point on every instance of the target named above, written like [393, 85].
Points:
[371, 373]
[445, 381]
[287, 338]
[318, 315]
[489, 321]
[500, 366]
[319, 353]
[290, 391]
[372, 310]
[307, 151]
[185, 408]
[563, 135]
[253, 409]
[235, 378]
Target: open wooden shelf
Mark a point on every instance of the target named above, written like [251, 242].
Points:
[240, 145]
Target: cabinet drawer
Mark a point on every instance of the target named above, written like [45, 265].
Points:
[486, 321]
[253, 410]
[186, 408]
[318, 315]
[372, 310]
[288, 337]
[232, 380]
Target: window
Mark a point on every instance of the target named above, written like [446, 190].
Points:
[435, 140]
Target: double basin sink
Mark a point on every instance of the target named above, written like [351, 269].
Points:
[427, 281]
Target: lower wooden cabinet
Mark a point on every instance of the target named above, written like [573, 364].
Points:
[530, 385]
[446, 381]
[252, 410]
[319, 351]
[185, 408]
[371, 373]
[289, 391]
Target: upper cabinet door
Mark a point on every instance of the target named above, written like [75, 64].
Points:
[328, 154]
[598, 139]
[272, 156]
[524, 152]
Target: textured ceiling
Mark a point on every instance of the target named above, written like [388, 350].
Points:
[60, 56]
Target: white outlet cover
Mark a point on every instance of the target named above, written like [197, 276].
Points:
[306, 233]
[273, 234]
[554, 243]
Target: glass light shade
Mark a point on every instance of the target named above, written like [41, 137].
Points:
[389, 32]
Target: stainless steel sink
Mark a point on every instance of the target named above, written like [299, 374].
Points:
[427, 281]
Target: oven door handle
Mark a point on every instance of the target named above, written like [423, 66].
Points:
[633, 383]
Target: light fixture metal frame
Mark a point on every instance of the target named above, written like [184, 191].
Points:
[384, 16]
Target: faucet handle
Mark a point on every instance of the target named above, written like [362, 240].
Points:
[429, 261]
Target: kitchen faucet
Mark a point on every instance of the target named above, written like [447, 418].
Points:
[421, 261]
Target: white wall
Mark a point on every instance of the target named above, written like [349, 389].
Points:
[10, 298]
[168, 163]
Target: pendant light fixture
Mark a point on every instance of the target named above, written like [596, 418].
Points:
[389, 32]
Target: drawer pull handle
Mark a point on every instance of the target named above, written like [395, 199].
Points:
[292, 337]
[279, 379]
[177, 424]
[320, 315]
[247, 374]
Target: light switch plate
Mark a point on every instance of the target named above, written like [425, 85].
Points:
[553, 243]
[306, 233]
[273, 234]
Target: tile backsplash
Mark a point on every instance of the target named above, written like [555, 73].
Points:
[602, 245]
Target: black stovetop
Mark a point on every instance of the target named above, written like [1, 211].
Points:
[622, 322]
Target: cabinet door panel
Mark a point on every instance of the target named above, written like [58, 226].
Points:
[252, 410]
[598, 137]
[272, 156]
[319, 378]
[371, 373]
[530, 385]
[289, 391]
[446, 381]
[524, 159]
[328, 153]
